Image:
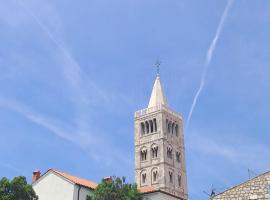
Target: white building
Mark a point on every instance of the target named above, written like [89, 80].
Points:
[56, 185]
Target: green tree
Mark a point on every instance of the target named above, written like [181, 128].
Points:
[116, 189]
[17, 189]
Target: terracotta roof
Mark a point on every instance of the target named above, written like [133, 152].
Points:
[147, 189]
[76, 180]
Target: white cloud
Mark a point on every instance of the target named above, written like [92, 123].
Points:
[91, 142]
[51, 24]
[10, 167]
[85, 94]
[240, 152]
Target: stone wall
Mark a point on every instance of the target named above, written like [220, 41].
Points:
[254, 189]
[162, 163]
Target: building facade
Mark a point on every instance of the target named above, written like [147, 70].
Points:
[257, 188]
[56, 185]
[159, 147]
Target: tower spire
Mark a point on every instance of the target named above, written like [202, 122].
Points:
[158, 95]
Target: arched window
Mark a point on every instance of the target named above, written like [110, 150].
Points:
[155, 125]
[151, 126]
[142, 128]
[147, 126]
[169, 127]
[143, 154]
[169, 152]
[176, 130]
[154, 151]
[178, 156]
[143, 177]
[179, 180]
[171, 176]
[173, 126]
[154, 175]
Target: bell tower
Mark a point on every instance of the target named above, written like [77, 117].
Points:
[159, 146]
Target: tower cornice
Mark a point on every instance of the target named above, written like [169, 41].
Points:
[158, 108]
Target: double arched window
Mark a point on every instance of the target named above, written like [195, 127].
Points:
[154, 175]
[169, 152]
[154, 150]
[143, 153]
[143, 177]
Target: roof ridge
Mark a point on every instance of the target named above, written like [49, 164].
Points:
[75, 179]
[243, 183]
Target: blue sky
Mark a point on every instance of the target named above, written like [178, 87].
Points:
[73, 74]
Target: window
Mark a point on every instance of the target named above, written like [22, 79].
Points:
[155, 125]
[169, 127]
[154, 151]
[176, 130]
[178, 156]
[143, 154]
[179, 181]
[143, 178]
[155, 176]
[169, 152]
[173, 127]
[147, 127]
[171, 176]
[151, 126]
[142, 128]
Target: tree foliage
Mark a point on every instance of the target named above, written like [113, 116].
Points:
[17, 189]
[116, 189]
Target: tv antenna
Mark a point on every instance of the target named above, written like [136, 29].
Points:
[251, 173]
[211, 193]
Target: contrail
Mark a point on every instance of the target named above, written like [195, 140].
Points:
[10, 167]
[42, 26]
[209, 57]
[73, 71]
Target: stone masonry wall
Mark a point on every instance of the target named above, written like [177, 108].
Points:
[254, 189]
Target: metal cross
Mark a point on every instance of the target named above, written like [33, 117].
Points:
[158, 66]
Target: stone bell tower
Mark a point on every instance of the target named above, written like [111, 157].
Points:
[159, 147]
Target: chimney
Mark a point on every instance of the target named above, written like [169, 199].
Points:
[107, 179]
[36, 175]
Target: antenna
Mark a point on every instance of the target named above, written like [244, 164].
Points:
[211, 193]
[250, 173]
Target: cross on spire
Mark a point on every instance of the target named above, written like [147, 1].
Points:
[158, 63]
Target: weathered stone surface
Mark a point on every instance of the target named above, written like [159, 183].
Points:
[166, 133]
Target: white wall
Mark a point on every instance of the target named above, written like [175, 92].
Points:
[158, 196]
[53, 187]
[83, 193]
